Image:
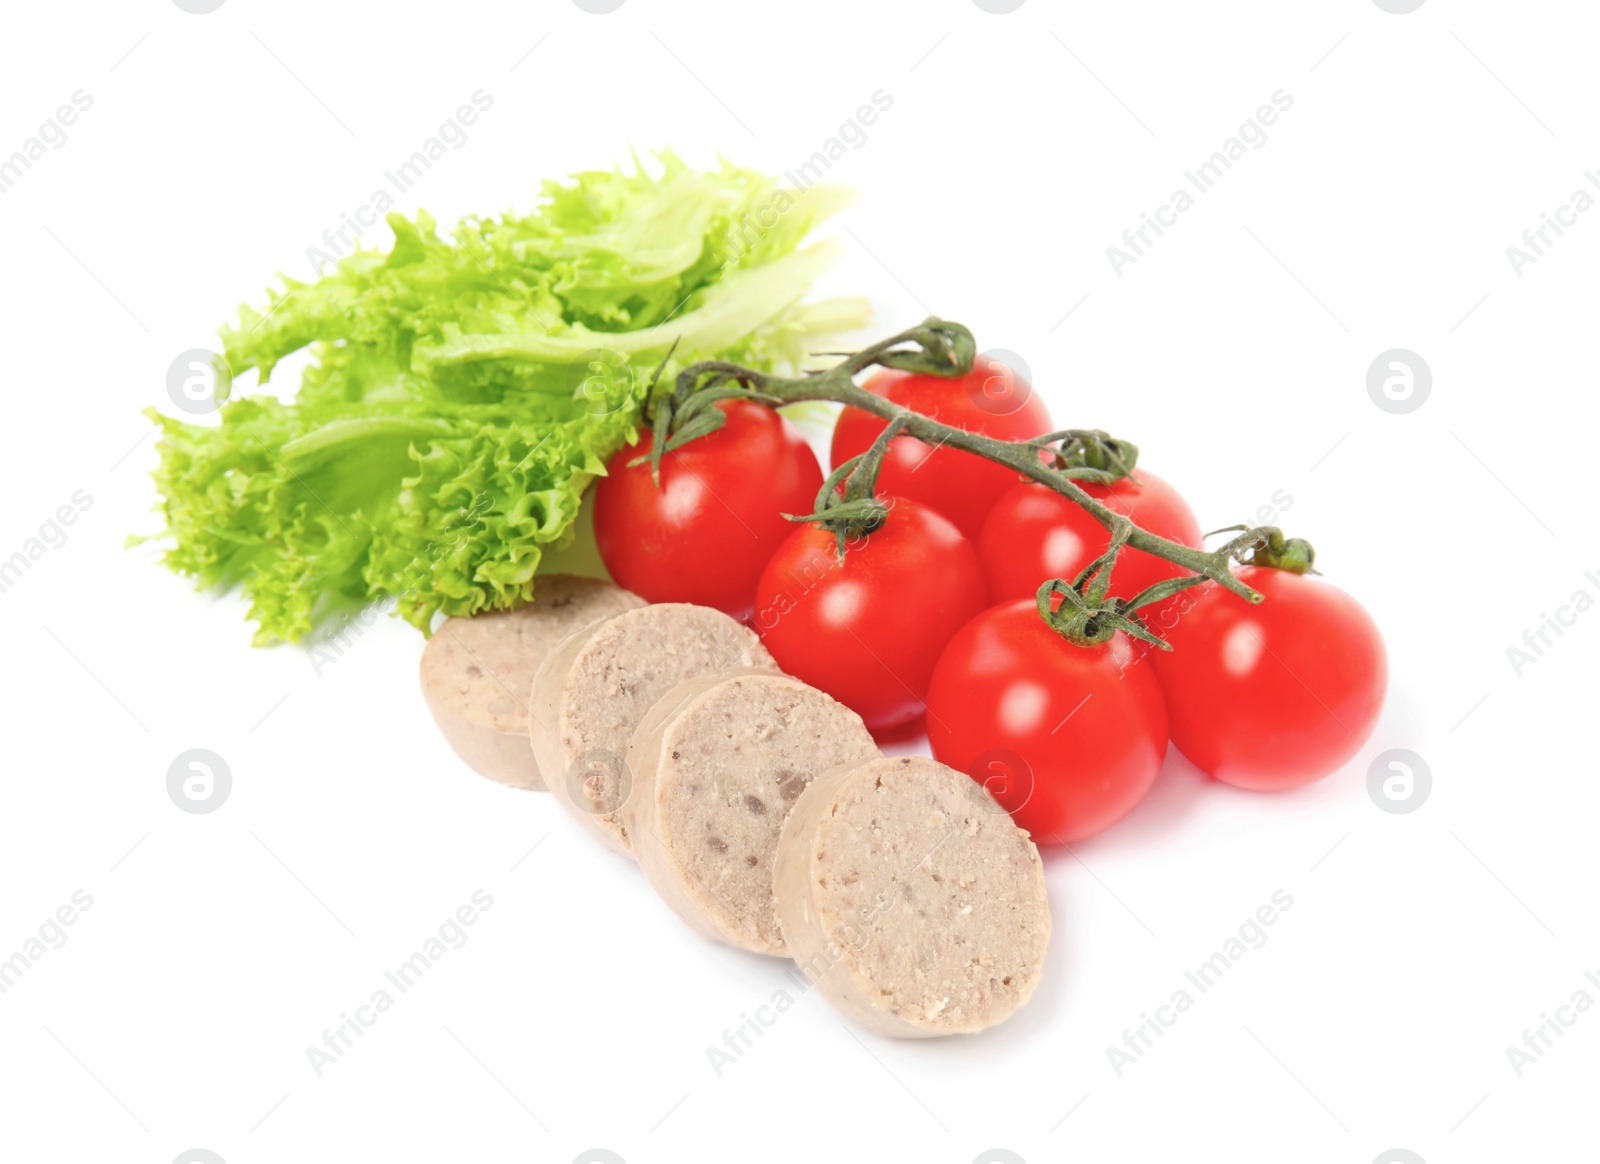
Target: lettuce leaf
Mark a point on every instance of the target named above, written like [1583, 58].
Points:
[465, 389]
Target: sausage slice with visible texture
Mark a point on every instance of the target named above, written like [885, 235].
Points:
[716, 766]
[595, 688]
[477, 673]
[911, 900]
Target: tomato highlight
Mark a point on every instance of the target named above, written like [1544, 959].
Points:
[1068, 739]
[868, 629]
[705, 534]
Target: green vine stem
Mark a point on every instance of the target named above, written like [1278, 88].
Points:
[1057, 460]
[855, 509]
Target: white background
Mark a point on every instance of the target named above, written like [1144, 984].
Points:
[1018, 148]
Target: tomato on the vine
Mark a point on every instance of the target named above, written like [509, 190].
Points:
[991, 399]
[1277, 695]
[868, 629]
[706, 533]
[1067, 738]
[1034, 534]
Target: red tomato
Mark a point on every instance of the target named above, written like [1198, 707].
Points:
[869, 629]
[1034, 534]
[716, 519]
[960, 485]
[1277, 695]
[1067, 738]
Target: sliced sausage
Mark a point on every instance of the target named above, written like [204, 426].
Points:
[716, 766]
[595, 688]
[910, 899]
[477, 673]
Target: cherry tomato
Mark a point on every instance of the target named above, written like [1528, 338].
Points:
[869, 629]
[1034, 534]
[962, 486]
[1067, 738]
[716, 519]
[1276, 695]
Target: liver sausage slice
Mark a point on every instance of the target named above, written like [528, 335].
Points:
[477, 673]
[595, 688]
[716, 766]
[910, 899]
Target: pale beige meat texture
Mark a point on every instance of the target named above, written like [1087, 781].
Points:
[477, 673]
[595, 688]
[716, 765]
[910, 899]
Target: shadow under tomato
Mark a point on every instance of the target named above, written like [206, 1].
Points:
[903, 738]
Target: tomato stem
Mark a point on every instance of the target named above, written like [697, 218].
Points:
[1267, 546]
[1057, 460]
[1085, 621]
[1088, 454]
[855, 510]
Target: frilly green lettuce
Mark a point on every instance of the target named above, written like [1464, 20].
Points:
[466, 389]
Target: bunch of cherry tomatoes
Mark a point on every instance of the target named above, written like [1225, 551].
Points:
[932, 618]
